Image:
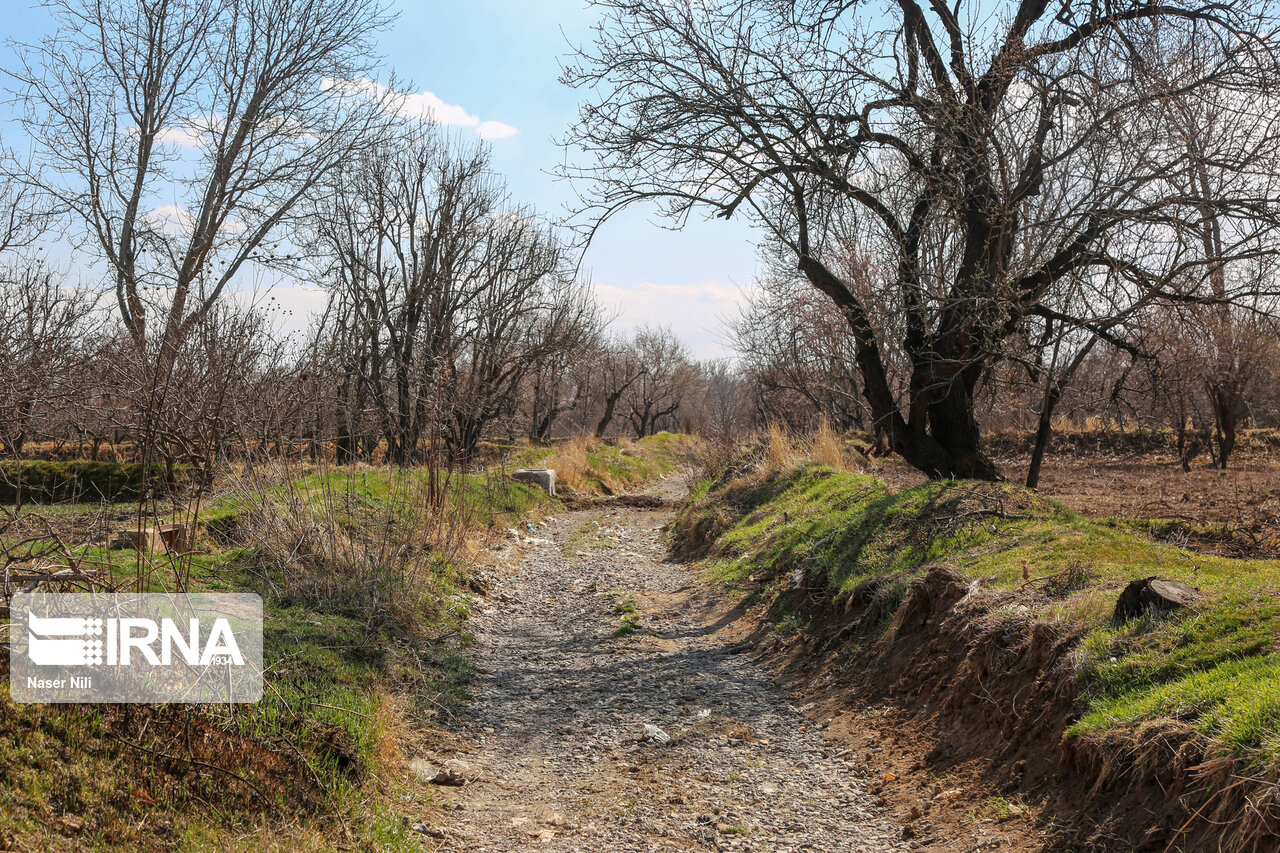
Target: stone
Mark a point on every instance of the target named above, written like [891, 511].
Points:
[653, 734]
[178, 537]
[543, 478]
[455, 772]
[147, 540]
[1154, 594]
[424, 770]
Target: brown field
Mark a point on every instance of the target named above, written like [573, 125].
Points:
[1232, 513]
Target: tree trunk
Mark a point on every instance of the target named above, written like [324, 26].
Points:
[942, 443]
[610, 404]
[1226, 406]
[1043, 431]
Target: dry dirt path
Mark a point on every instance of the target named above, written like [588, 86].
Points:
[561, 702]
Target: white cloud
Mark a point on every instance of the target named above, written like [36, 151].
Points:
[174, 220]
[694, 311]
[425, 105]
[183, 137]
[171, 219]
[289, 308]
[495, 130]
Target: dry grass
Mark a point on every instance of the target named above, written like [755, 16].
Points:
[827, 448]
[381, 549]
[570, 460]
[780, 452]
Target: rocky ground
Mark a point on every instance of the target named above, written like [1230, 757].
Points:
[616, 709]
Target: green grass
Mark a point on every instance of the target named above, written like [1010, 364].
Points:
[1214, 667]
[341, 685]
[629, 625]
[484, 499]
[609, 466]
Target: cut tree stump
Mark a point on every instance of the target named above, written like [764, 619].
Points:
[1154, 594]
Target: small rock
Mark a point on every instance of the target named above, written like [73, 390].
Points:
[654, 734]
[424, 770]
[455, 772]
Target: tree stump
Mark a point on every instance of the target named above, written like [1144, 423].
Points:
[1156, 595]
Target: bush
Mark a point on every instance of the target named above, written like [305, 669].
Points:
[371, 546]
[80, 480]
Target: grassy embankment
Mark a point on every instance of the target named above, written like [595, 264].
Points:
[1215, 667]
[364, 590]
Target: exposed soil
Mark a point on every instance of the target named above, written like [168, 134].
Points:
[1233, 513]
[555, 737]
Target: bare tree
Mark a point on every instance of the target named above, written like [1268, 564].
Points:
[399, 230]
[800, 355]
[180, 134]
[523, 283]
[619, 367]
[567, 341]
[725, 408]
[25, 210]
[661, 388]
[986, 156]
[45, 328]
[445, 294]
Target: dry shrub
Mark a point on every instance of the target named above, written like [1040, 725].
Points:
[376, 546]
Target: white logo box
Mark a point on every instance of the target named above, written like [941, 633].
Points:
[154, 648]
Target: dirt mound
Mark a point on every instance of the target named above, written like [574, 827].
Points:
[578, 502]
[969, 671]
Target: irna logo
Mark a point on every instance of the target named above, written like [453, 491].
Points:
[135, 647]
[71, 641]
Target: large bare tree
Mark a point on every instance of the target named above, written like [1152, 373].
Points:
[446, 293]
[986, 155]
[47, 327]
[180, 134]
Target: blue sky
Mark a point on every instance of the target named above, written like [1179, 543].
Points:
[494, 65]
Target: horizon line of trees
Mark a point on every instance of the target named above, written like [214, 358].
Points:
[969, 220]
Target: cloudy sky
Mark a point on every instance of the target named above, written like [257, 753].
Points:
[490, 68]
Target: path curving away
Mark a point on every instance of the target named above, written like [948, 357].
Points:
[561, 702]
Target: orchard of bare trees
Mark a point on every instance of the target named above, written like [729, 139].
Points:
[970, 220]
[455, 313]
[967, 189]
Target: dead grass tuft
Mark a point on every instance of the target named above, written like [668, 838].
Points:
[827, 448]
[780, 452]
[380, 550]
[570, 460]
